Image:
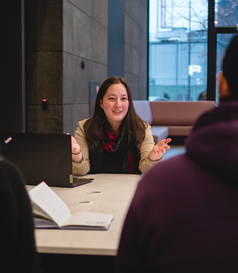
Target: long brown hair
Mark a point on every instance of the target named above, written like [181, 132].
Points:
[134, 125]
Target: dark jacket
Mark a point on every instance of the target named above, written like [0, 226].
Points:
[184, 215]
[18, 252]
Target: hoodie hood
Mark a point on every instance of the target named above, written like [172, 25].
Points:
[213, 142]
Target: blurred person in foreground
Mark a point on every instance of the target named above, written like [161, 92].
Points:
[183, 217]
[18, 250]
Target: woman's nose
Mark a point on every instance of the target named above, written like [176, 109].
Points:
[118, 102]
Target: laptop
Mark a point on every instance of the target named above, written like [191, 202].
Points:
[42, 157]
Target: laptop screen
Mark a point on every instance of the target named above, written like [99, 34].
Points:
[40, 157]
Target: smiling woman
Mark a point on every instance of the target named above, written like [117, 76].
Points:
[115, 105]
[115, 139]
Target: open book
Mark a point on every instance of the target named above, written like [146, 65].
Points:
[50, 211]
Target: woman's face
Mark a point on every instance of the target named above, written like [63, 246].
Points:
[115, 103]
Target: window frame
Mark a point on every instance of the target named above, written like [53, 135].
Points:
[211, 49]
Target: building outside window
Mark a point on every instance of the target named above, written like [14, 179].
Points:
[178, 46]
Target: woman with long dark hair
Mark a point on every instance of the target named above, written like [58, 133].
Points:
[115, 139]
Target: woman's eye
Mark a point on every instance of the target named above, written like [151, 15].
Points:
[124, 98]
[111, 98]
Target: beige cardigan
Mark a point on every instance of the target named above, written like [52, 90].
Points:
[83, 167]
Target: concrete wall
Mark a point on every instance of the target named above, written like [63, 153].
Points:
[136, 14]
[44, 77]
[84, 40]
[61, 36]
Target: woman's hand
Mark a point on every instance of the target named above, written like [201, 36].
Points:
[159, 149]
[76, 150]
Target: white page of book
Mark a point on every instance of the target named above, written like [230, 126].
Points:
[50, 202]
[93, 219]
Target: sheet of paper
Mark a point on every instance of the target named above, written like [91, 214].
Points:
[50, 202]
[89, 219]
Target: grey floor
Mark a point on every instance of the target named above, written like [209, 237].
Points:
[174, 150]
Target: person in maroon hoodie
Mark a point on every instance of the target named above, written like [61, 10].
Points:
[184, 215]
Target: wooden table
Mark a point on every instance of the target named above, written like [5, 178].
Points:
[107, 193]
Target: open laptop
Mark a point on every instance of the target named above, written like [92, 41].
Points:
[42, 157]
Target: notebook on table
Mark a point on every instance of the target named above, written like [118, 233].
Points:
[42, 157]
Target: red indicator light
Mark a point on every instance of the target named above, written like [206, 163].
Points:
[7, 140]
[44, 104]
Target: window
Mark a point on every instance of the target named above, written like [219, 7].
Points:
[186, 46]
[226, 13]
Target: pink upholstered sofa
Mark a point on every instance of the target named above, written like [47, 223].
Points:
[143, 110]
[171, 118]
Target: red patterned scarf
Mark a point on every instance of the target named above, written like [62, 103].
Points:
[121, 156]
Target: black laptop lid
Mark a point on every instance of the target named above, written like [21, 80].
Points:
[40, 157]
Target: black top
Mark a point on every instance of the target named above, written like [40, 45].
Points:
[18, 251]
[113, 154]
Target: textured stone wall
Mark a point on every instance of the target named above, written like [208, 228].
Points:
[66, 47]
[136, 16]
[84, 41]
[43, 20]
